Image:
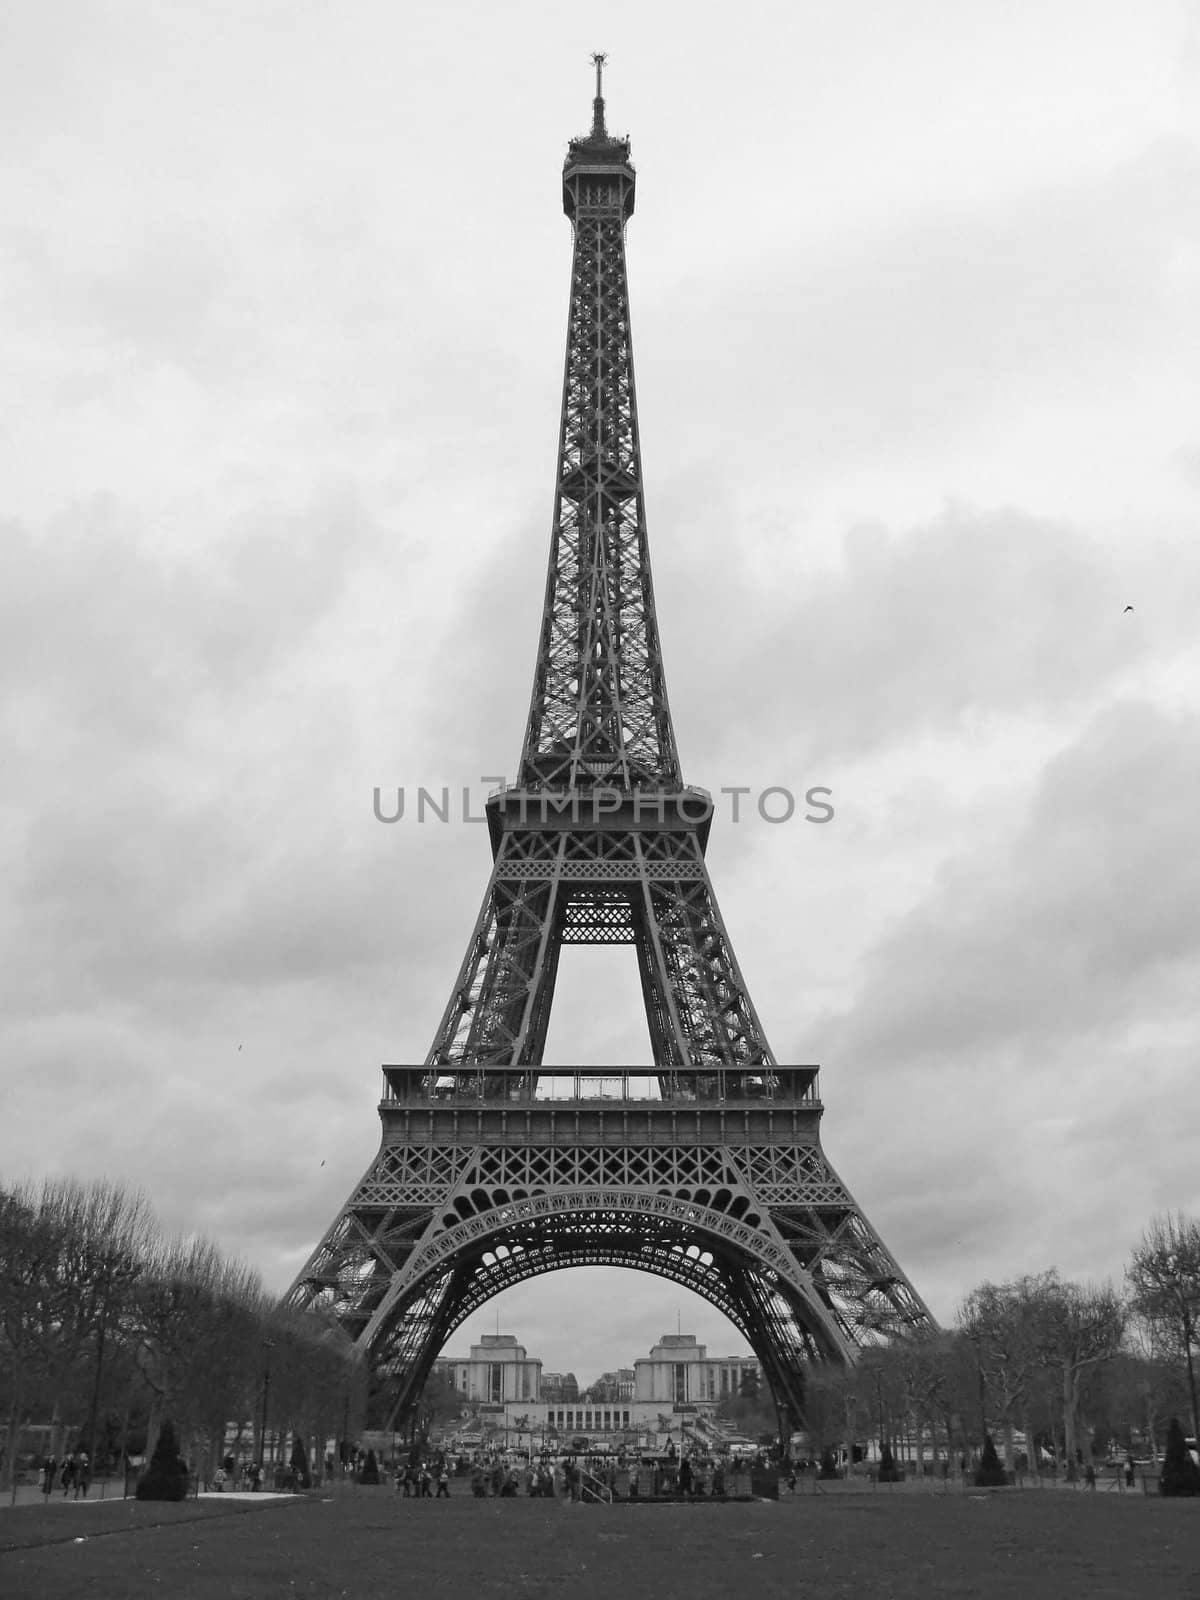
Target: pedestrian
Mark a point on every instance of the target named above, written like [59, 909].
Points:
[50, 1470]
[443, 1488]
[1129, 1472]
[68, 1473]
[426, 1482]
[83, 1474]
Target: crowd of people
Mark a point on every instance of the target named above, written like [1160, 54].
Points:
[572, 1478]
[73, 1472]
[415, 1480]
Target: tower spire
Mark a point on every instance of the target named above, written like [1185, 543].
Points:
[599, 131]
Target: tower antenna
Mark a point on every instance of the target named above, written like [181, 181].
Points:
[598, 129]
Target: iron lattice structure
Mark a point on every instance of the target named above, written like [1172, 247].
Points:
[706, 1167]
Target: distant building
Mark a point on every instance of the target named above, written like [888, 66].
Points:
[559, 1388]
[679, 1371]
[679, 1385]
[610, 1386]
[497, 1372]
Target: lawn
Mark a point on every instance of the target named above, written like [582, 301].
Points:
[375, 1546]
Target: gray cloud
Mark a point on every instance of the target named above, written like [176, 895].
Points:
[997, 1019]
[926, 632]
[1088, 908]
[935, 324]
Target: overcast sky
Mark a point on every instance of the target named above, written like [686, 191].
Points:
[916, 302]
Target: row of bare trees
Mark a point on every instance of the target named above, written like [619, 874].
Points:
[1072, 1364]
[108, 1326]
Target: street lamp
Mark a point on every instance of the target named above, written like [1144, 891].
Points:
[268, 1346]
[879, 1411]
[977, 1341]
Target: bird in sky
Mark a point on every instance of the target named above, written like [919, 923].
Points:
[239, 1047]
[1127, 608]
[322, 1163]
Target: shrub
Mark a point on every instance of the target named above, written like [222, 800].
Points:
[989, 1474]
[370, 1471]
[1180, 1474]
[299, 1463]
[888, 1470]
[166, 1476]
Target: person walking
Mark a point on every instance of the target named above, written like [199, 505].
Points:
[83, 1474]
[443, 1488]
[68, 1473]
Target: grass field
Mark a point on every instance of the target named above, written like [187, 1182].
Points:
[1022, 1546]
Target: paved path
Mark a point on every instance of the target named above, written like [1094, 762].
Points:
[30, 1494]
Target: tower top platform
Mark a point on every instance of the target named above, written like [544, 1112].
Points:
[598, 154]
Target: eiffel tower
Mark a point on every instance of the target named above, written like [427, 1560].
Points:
[704, 1168]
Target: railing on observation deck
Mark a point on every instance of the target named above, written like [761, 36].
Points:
[741, 1086]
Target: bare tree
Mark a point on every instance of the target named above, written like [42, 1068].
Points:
[1136, 1392]
[1001, 1321]
[317, 1377]
[1076, 1327]
[927, 1379]
[189, 1334]
[824, 1410]
[1164, 1286]
[836, 1403]
[108, 1232]
[882, 1389]
[88, 1285]
[30, 1245]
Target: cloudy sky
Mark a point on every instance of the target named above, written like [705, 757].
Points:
[916, 297]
